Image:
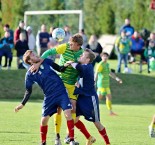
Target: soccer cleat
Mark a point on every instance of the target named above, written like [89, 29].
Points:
[58, 141]
[43, 143]
[67, 141]
[73, 143]
[90, 140]
[151, 132]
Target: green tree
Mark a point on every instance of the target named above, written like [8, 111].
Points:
[91, 16]
[18, 9]
[107, 17]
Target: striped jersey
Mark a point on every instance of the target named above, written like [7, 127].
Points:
[103, 71]
[70, 75]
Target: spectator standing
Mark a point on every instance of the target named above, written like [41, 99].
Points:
[67, 34]
[128, 28]
[43, 39]
[21, 47]
[19, 30]
[149, 53]
[85, 39]
[31, 38]
[96, 47]
[122, 45]
[51, 31]
[151, 38]
[6, 45]
[7, 28]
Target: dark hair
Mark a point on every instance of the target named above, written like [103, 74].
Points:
[91, 55]
[104, 53]
[21, 21]
[7, 26]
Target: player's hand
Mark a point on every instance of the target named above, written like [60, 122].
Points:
[68, 63]
[77, 84]
[120, 81]
[34, 67]
[19, 107]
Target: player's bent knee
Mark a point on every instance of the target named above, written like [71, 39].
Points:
[44, 120]
[68, 114]
[99, 126]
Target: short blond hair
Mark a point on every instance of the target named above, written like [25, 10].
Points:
[26, 56]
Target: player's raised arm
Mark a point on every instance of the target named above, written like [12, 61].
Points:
[56, 50]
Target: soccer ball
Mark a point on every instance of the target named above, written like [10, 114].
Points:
[58, 34]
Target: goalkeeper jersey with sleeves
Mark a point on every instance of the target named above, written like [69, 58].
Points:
[70, 75]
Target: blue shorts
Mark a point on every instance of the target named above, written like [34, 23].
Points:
[6, 52]
[51, 103]
[88, 106]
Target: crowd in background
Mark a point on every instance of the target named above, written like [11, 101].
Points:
[23, 39]
[132, 43]
[129, 44]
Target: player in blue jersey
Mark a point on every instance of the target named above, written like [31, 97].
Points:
[55, 94]
[87, 102]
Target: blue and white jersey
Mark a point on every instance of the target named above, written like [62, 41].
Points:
[86, 80]
[46, 78]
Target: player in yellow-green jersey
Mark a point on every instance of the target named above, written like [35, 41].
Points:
[102, 79]
[70, 51]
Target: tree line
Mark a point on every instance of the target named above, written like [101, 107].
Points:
[100, 16]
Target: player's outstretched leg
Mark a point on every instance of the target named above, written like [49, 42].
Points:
[102, 131]
[89, 139]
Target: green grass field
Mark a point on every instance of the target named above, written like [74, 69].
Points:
[133, 101]
[130, 127]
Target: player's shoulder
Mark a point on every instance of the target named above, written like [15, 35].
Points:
[47, 60]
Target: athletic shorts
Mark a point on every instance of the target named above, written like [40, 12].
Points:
[51, 103]
[103, 91]
[88, 106]
[70, 90]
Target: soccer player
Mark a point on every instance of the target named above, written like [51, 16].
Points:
[55, 94]
[102, 80]
[69, 51]
[152, 128]
[87, 102]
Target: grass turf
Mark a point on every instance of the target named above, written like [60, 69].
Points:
[132, 101]
[130, 127]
